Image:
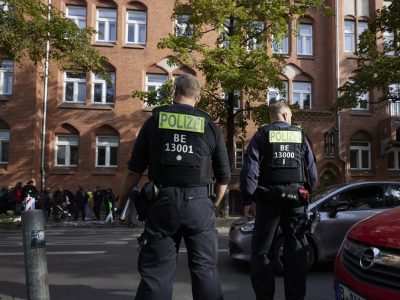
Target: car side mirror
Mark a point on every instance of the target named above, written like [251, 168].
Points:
[337, 206]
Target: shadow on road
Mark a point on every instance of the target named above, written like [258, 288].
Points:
[17, 291]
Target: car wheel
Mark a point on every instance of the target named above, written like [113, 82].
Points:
[278, 255]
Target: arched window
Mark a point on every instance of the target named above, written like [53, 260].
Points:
[66, 146]
[107, 146]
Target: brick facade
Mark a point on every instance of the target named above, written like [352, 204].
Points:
[327, 67]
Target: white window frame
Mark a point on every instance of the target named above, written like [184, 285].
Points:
[362, 102]
[236, 105]
[70, 140]
[79, 19]
[303, 88]
[349, 36]
[4, 138]
[155, 85]
[359, 149]
[182, 26]
[396, 158]
[4, 6]
[305, 40]
[387, 38]
[6, 77]
[395, 106]
[113, 142]
[135, 25]
[98, 80]
[224, 37]
[282, 47]
[76, 81]
[361, 27]
[253, 43]
[279, 96]
[239, 155]
[110, 25]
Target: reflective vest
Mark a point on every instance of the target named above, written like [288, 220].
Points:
[283, 159]
[180, 154]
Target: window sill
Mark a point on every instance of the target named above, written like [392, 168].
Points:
[5, 97]
[361, 173]
[84, 106]
[303, 56]
[59, 170]
[3, 168]
[350, 55]
[104, 44]
[105, 171]
[134, 46]
[360, 112]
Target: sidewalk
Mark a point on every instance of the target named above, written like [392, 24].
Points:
[16, 222]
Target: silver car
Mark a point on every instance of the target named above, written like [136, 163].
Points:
[340, 206]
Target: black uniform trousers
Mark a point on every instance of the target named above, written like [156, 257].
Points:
[270, 215]
[179, 212]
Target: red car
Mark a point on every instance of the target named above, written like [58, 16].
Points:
[368, 263]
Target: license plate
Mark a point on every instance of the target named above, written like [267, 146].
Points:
[344, 293]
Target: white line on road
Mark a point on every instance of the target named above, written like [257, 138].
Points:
[55, 253]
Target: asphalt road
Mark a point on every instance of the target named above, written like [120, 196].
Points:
[100, 263]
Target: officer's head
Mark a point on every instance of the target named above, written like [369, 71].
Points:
[280, 111]
[186, 89]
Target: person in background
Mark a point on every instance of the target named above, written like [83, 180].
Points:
[30, 191]
[88, 204]
[80, 204]
[109, 199]
[98, 198]
[17, 195]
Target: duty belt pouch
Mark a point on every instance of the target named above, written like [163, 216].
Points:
[290, 196]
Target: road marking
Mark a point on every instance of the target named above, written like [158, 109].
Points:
[55, 253]
[184, 250]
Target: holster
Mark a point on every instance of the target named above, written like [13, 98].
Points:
[143, 200]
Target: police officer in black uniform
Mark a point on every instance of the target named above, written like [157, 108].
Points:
[182, 149]
[278, 173]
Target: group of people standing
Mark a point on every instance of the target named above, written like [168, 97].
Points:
[83, 204]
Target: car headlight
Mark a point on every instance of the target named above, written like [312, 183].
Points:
[249, 227]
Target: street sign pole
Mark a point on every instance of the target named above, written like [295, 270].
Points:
[35, 255]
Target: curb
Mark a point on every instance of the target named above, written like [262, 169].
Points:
[222, 223]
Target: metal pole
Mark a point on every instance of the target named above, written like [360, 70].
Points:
[45, 97]
[35, 255]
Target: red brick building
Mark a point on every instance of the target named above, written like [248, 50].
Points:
[91, 124]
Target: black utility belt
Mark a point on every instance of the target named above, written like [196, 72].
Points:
[291, 194]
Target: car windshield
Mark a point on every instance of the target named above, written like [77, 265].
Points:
[325, 191]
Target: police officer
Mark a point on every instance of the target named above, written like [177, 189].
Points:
[279, 164]
[182, 148]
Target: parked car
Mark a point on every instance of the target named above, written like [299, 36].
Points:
[368, 263]
[340, 207]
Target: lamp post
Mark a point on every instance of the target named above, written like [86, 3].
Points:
[45, 97]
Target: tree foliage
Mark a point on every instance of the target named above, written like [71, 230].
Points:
[25, 29]
[238, 61]
[378, 60]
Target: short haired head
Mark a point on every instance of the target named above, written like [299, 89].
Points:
[187, 86]
[280, 111]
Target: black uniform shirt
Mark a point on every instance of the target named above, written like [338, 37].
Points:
[251, 168]
[141, 155]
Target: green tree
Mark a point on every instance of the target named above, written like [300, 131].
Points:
[238, 62]
[25, 30]
[378, 60]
